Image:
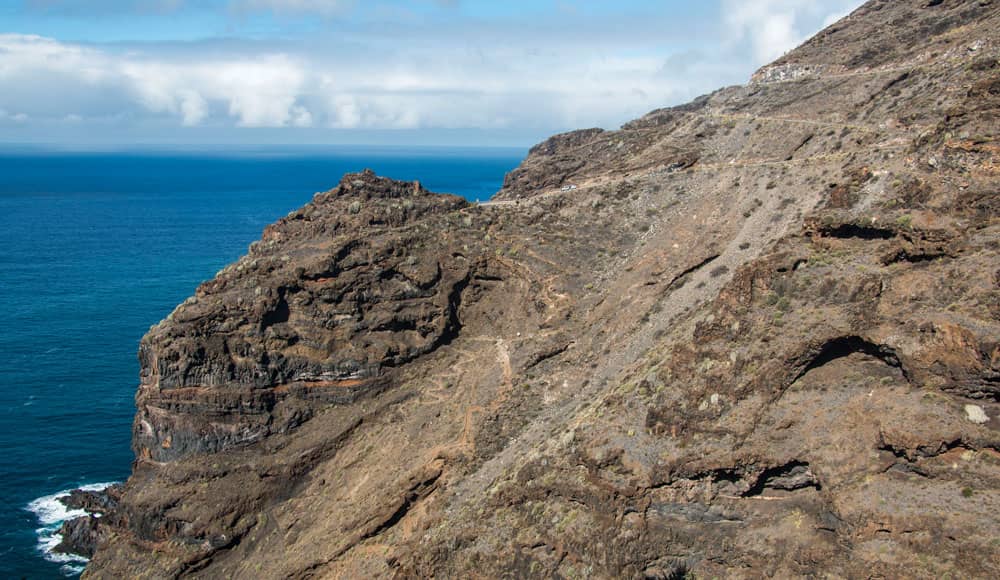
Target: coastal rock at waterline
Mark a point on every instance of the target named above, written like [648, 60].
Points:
[94, 502]
[80, 536]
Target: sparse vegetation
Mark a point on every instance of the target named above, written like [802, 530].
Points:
[697, 424]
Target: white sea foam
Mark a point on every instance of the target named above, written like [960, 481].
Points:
[51, 513]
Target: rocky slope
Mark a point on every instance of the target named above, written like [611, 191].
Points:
[760, 338]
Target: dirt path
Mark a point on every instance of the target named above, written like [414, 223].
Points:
[891, 145]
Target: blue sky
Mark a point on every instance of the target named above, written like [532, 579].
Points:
[405, 72]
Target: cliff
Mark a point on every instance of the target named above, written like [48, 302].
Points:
[760, 337]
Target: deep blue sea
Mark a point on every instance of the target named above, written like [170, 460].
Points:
[97, 247]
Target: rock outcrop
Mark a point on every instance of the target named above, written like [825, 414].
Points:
[81, 535]
[320, 311]
[759, 338]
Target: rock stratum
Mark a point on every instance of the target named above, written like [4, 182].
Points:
[760, 338]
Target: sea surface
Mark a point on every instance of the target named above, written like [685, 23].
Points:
[97, 247]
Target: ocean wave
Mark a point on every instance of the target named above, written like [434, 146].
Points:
[51, 514]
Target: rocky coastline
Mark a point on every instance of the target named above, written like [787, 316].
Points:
[757, 335]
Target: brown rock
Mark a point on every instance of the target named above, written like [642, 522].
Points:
[743, 346]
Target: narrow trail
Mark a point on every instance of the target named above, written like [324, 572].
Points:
[909, 67]
[467, 440]
[445, 382]
[465, 443]
[706, 167]
[797, 121]
[548, 293]
[503, 357]
[809, 77]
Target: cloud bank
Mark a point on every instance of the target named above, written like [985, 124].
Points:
[430, 87]
[399, 74]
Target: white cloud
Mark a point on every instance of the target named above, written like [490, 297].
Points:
[193, 108]
[32, 53]
[258, 92]
[474, 75]
[773, 27]
[417, 87]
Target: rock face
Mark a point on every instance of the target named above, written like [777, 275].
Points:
[320, 311]
[760, 338]
[82, 535]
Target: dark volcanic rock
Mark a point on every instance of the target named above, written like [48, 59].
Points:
[333, 298]
[95, 502]
[759, 338]
[80, 536]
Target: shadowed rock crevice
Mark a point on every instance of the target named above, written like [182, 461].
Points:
[855, 231]
[279, 314]
[912, 257]
[845, 346]
[792, 476]
[680, 279]
[914, 453]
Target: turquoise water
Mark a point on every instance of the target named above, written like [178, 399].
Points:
[96, 248]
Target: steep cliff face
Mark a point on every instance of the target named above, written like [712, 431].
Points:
[321, 310]
[760, 337]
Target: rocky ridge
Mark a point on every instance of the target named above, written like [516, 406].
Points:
[760, 337]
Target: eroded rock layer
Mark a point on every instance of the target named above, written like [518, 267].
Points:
[754, 336]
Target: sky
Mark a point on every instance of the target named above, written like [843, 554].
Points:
[79, 73]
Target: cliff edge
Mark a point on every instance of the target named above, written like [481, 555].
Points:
[757, 335]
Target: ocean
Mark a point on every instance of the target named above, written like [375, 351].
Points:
[97, 247]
